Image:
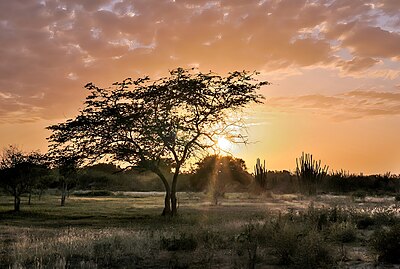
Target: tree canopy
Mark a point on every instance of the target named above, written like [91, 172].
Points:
[19, 172]
[224, 171]
[146, 122]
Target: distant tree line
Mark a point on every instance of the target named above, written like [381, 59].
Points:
[26, 174]
[155, 128]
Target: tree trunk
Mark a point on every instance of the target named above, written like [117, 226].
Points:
[174, 209]
[17, 202]
[29, 197]
[40, 194]
[167, 205]
[63, 193]
[167, 201]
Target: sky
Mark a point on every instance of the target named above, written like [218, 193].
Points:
[334, 66]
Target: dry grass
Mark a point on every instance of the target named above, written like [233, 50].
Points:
[126, 231]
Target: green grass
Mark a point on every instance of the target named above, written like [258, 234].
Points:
[127, 231]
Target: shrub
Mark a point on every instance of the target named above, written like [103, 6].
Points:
[397, 198]
[343, 232]
[359, 195]
[183, 242]
[284, 242]
[363, 222]
[386, 242]
[248, 242]
[313, 252]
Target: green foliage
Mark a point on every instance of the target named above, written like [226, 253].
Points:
[386, 242]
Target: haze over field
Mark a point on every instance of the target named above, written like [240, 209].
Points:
[334, 68]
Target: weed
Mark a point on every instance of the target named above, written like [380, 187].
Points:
[359, 195]
[284, 241]
[364, 222]
[343, 232]
[248, 243]
[313, 251]
[386, 243]
[185, 242]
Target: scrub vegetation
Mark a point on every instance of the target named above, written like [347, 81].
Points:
[125, 230]
[107, 193]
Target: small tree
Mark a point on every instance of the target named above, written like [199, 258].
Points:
[143, 122]
[218, 174]
[19, 172]
[309, 173]
[67, 174]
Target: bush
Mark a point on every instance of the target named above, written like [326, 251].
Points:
[359, 195]
[284, 242]
[363, 222]
[248, 242]
[386, 242]
[397, 198]
[184, 242]
[313, 252]
[301, 247]
[344, 232]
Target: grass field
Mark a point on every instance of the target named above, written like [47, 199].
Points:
[243, 231]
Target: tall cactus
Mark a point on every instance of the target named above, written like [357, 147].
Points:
[260, 174]
[309, 173]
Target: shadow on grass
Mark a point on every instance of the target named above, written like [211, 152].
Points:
[26, 218]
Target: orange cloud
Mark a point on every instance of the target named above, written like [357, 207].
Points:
[51, 48]
[353, 104]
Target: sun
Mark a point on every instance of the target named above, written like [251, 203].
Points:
[224, 144]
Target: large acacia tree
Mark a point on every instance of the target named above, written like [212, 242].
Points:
[145, 123]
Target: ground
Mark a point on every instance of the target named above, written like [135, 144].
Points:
[126, 231]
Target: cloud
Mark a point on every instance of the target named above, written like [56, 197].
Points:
[12, 110]
[353, 104]
[384, 43]
[51, 48]
[357, 64]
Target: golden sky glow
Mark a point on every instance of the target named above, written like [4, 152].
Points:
[334, 66]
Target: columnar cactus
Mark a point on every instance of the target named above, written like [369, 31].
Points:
[309, 173]
[260, 174]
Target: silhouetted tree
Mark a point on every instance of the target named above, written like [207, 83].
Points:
[67, 174]
[219, 174]
[221, 171]
[19, 172]
[143, 122]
